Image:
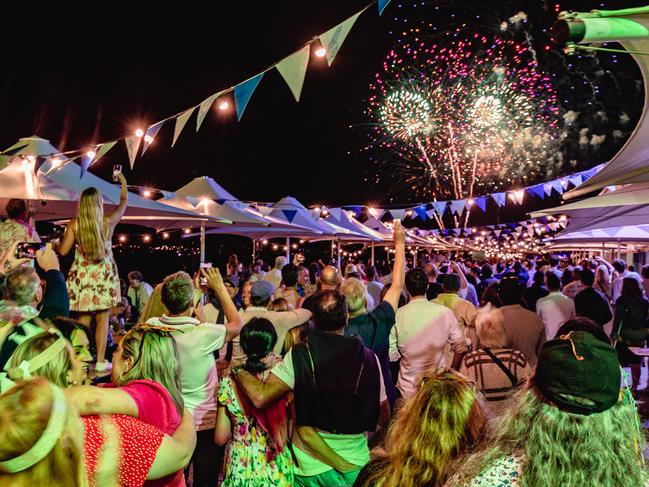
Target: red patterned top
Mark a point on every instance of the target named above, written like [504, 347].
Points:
[138, 445]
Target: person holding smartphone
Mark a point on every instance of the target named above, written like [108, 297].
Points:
[93, 280]
[16, 228]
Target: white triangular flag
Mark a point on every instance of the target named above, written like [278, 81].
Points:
[333, 39]
[293, 70]
[181, 121]
[132, 146]
[203, 108]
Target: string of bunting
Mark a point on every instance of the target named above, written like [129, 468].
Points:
[292, 69]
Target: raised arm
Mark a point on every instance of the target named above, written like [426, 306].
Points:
[399, 269]
[458, 269]
[117, 214]
[233, 323]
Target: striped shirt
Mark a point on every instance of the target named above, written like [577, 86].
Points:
[491, 380]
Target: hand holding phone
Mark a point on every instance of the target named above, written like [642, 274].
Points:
[27, 250]
[117, 170]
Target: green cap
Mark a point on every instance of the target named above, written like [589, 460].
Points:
[579, 373]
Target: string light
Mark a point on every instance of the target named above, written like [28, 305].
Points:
[139, 133]
[187, 231]
[146, 193]
[147, 238]
[91, 154]
[165, 235]
[223, 105]
[122, 238]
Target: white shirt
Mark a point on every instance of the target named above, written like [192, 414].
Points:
[555, 309]
[617, 284]
[374, 289]
[196, 345]
[273, 276]
[421, 332]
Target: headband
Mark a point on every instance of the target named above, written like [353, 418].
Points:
[35, 363]
[47, 441]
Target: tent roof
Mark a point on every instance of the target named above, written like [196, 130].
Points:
[205, 187]
[630, 164]
[627, 234]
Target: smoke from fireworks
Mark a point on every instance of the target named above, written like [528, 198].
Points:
[468, 117]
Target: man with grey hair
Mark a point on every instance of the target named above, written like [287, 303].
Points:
[274, 276]
[197, 343]
[463, 310]
[374, 327]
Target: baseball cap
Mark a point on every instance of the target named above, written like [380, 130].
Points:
[262, 290]
[233, 280]
[579, 373]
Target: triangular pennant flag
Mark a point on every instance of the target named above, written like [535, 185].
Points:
[333, 39]
[518, 196]
[132, 146]
[481, 203]
[382, 5]
[38, 163]
[420, 211]
[556, 185]
[181, 121]
[440, 207]
[499, 198]
[150, 134]
[102, 150]
[575, 180]
[539, 231]
[518, 228]
[537, 191]
[243, 92]
[547, 189]
[431, 213]
[497, 233]
[398, 214]
[204, 108]
[85, 164]
[553, 226]
[376, 212]
[457, 206]
[293, 70]
[289, 214]
[337, 213]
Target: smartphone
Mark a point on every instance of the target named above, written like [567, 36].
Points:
[117, 169]
[205, 265]
[27, 250]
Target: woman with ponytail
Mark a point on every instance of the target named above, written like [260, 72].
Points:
[93, 281]
[256, 452]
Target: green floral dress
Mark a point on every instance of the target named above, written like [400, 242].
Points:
[246, 463]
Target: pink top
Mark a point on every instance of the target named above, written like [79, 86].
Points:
[155, 407]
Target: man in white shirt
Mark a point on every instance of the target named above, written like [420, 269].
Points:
[138, 292]
[554, 309]
[274, 276]
[196, 344]
[258, 271]
[620, 267]
[421, 333]
[463, 310]
[374, 286]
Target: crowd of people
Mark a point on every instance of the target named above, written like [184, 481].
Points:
[457, 372]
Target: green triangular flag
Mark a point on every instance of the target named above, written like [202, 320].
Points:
[333, 39]
[181, 121]
[293, 70]
[103, 149]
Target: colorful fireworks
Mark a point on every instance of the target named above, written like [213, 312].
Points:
[471, 116]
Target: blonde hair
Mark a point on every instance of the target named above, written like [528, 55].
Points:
[154, 307]
[432, 428]
[490, 327]
[90, 223]
[355, 293]
[55, 370]
[155, 357]
[279, 304]
[25, 411]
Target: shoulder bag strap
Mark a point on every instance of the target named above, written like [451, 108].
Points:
[502, 366]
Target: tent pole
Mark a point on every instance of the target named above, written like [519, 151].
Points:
[414, 259]
[288, 249]
[254, 250]
[339, 254]
[202, 242]
[372, 257]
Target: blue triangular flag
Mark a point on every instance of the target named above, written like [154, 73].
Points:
[538, 190]
[457, 206]
[382, 5]
[575, 180]
[499, 198]
[557, 186]
[481, 203]
[85, 164]
[289, 214]
[150, 134]
[243, 92]
[398, 214]
[420, 211]
[440, 207]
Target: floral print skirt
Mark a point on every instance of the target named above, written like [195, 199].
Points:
[93, 286]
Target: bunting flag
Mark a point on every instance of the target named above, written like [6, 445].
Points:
[537, 191]
[293, 70]
[85, 164]
[150, 134]
[457, 206]
[547, 189]
[497, 233]
[518, 196]
[382, 5]
[398, 214]
[420, 211]
[564, 183]
[204, 108]
[440, 207]
[181, 121]
[103, 149]
[333, 39]
[556, 185]
[481, 203]
[289, 215]
[243, 92]
[499, 198]
[376, 212]
[431, 213]
[132, 145]
[575, 180]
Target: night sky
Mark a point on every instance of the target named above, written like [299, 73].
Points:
[83, 72]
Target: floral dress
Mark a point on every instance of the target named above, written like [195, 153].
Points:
[246, 463]
[93, 286]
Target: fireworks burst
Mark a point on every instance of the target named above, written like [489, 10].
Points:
[472, 116]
